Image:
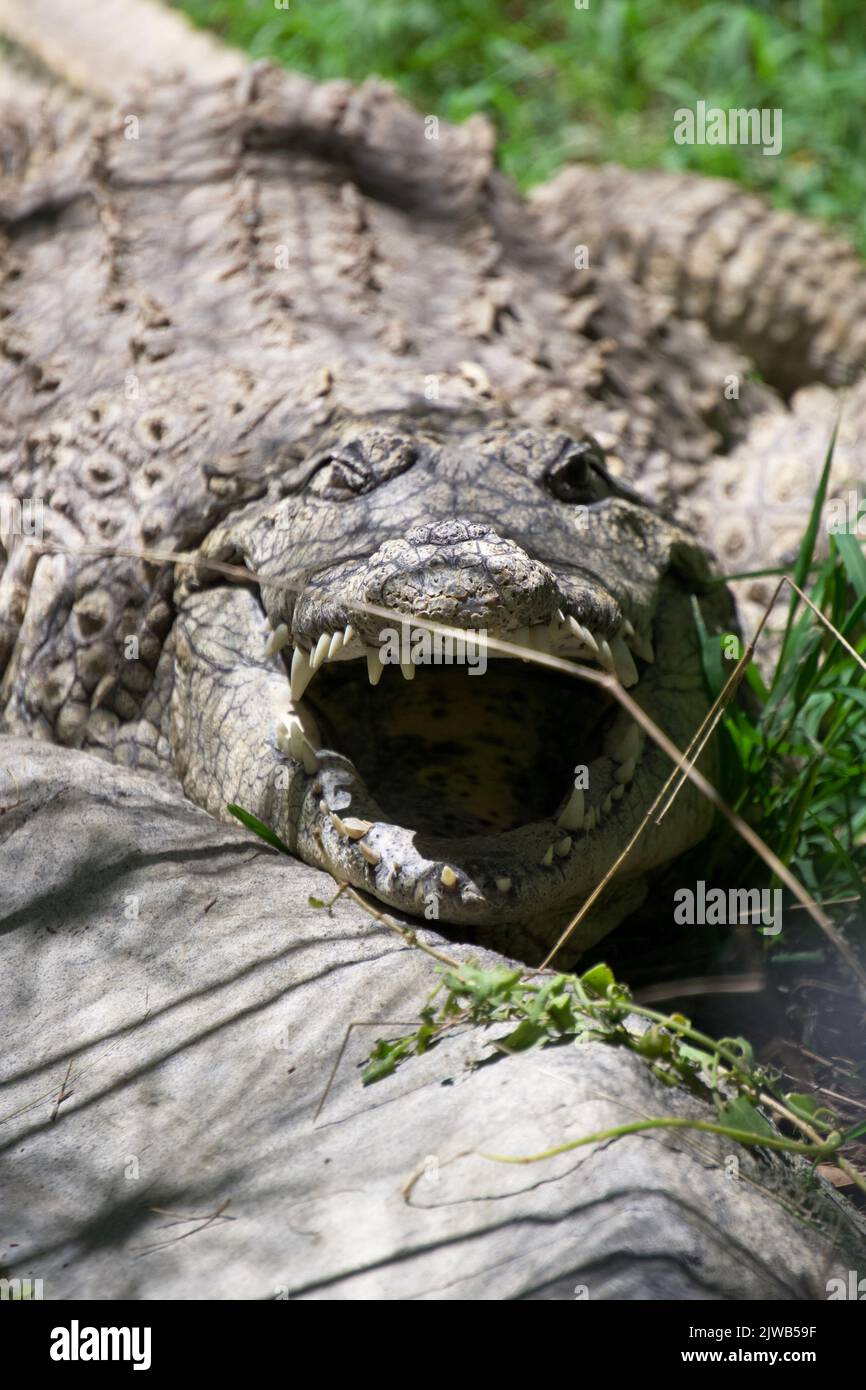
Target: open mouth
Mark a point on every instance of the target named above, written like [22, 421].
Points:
[470, 772]
[454, 754]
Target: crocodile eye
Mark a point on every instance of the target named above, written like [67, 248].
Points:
[353, 467]
[577, 475]
[339, 479]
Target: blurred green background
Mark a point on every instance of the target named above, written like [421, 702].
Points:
[562, 83]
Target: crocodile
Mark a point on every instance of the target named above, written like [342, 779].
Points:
[318, 345]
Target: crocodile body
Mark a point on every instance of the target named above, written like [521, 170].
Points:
[276, 324]
[348, 371]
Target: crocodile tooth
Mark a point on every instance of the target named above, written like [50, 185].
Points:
[374, 666]
[319, 655]
[627, 630]
[308, 755]
[625, 772]
[624, 662]
[605, 656]
[571, 817]
[585, 635]
[607, 804]
[588, 638]
[539, 639]
[589, 822]
[302, 674]
[408, 670]
[629, 746]
[299, 743]
[338, 824]
[334, 646]
[296, 747]
[644, 647]
[547, 857]
[563, 846]
[560, 615]
[468, 894]
[448, 877]
[348, 634]
[356, 829]
[371, 855]
[278, 639]
[503, 884]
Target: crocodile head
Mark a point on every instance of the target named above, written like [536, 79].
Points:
[447, 779]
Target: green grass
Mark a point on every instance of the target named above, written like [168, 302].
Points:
[794, 755]
[602, 84]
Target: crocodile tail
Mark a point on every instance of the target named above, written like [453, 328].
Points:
[785, 291]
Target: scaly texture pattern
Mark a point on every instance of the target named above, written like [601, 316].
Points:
[277, 321]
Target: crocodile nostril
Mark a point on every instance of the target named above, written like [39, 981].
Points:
[450, 532]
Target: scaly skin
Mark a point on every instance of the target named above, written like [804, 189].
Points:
[787, 292]
[282, 326]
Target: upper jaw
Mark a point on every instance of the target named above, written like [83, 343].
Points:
[582, 622]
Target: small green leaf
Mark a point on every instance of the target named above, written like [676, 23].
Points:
[851, 552]
[524, 1036]
[598, 979]
[802, 1105]
[384, 1058]
[655, 1043]
[742, 1046]
[741, 1114]
[259, 828]
[806, 551]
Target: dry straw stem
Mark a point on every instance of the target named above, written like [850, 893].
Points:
[406, 933]
[683, 762]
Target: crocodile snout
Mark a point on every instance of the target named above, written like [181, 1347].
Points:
[464, 574]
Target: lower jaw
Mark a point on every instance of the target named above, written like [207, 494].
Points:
[537, 869]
